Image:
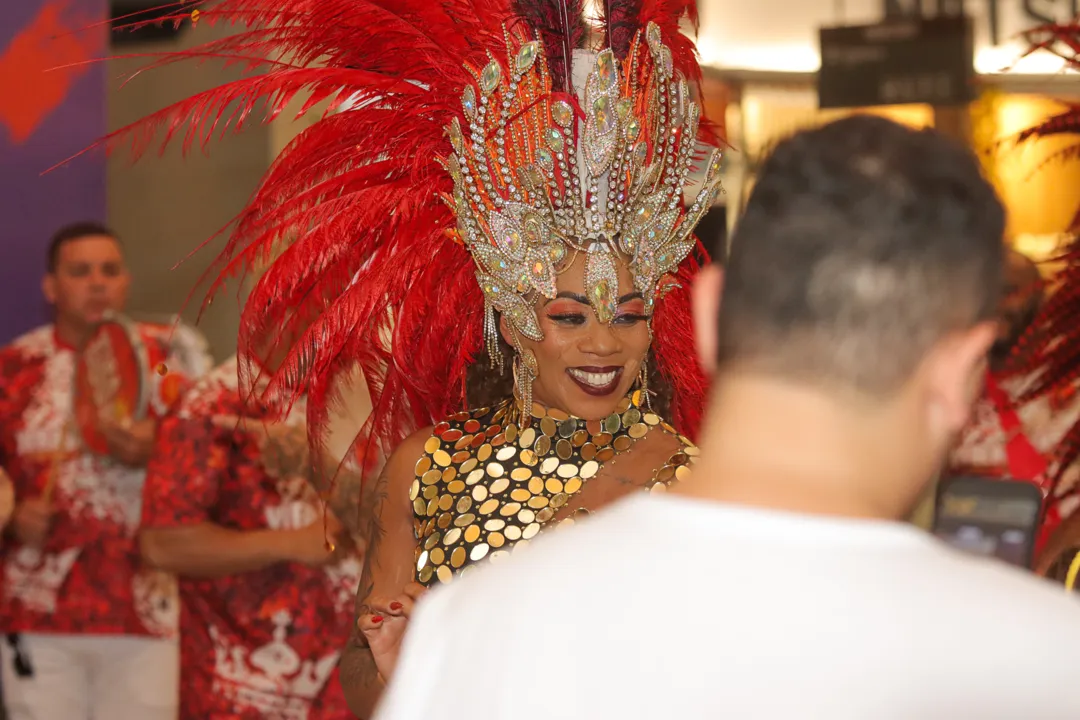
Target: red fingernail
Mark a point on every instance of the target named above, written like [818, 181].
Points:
[377, 619]
[395, 606]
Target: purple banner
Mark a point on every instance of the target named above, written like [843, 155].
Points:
[52, 104]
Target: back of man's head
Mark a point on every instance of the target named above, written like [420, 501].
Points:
[857, 309]
[863, 246]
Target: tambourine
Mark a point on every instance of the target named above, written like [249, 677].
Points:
[112, 372]
[119, 378]
[186, 348]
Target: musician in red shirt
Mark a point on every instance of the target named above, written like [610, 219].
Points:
[265, 603]
[1026, 425]
[91, 630]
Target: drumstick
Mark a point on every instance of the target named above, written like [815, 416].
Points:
[54, 467]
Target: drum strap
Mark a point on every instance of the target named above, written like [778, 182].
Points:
[1024, 460]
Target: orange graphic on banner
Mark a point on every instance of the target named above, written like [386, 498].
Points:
[40, 66]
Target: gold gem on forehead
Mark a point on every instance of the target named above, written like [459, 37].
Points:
[538, 175]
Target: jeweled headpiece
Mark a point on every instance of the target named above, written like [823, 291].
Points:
[540, 176]
[554, 150]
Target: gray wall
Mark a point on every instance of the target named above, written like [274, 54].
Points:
[164, 207]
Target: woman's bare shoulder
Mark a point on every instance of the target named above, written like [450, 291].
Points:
[664, 438]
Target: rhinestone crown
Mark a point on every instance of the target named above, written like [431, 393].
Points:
[540, 176]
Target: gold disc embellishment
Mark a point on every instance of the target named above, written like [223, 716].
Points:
[485, 486]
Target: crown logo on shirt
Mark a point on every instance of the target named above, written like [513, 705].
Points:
[35, 578]
[272, 678]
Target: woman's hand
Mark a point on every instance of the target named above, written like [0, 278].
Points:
[384, 624]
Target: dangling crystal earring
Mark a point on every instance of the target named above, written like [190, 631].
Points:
[643, 384]
[491, 338]
[643, 378]
[525, 371]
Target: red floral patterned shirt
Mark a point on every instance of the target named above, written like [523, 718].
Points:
[261, 644]
[1046, 420]
[88, 578]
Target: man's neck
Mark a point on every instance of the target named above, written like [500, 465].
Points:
[71, 333]
[784, 447]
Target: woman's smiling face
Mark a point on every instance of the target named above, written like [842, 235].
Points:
[584, 366]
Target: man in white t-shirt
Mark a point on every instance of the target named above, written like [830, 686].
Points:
[778, 581]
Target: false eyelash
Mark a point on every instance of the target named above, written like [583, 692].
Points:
[567, 317]
[636, 317]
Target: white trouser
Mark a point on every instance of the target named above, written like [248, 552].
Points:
[92, 677]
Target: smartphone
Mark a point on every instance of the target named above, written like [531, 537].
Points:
[989, 516]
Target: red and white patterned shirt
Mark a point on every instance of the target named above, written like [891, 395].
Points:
[1045, 422]
[261, 644]
[88, 578]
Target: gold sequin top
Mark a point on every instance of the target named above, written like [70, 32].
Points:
[484, 486]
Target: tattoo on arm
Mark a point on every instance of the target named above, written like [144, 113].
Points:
[358, 664]
[369, 516]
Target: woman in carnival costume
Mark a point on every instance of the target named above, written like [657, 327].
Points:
[492, 225]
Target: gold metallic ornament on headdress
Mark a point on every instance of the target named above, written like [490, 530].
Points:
[540, 177]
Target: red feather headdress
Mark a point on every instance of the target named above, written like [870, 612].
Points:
[371, 273]
[1050, 347]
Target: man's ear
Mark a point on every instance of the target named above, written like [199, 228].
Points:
[959, 366]
[125, 282]
[705, 297]
[48, 288]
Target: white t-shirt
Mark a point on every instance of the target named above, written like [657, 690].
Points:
[663, 608]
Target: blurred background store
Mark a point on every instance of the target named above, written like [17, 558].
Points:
[764, 60]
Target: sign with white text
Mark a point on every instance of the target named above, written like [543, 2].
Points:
[898, 62]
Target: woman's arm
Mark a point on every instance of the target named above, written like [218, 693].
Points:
[386, 527]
